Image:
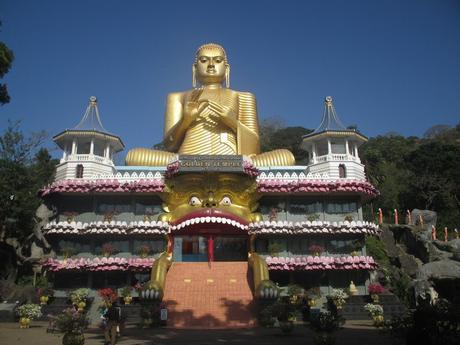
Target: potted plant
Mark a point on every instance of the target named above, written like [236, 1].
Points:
[313, 217]
[284, 312]
[108, 249]
[338, 297]
[78, 298]
[375, 290]
[325, 324]
[70, 216]
[126, 294]
[27, 313]
[144, 251]
[376, 313]
[108, 295]
[274, 248]
[72, 324]
[316, 249]
[110, 216]
[348, 218]
[44, 294]
[313, 294]
[68, 251]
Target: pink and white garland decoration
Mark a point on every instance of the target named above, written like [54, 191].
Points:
[113, 227]
[100, 264]
[314, 227]
[316, 186]
[101, 186]
[250, 169]
[312, 263]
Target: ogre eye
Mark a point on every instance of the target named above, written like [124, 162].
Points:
[194, 201]
[226, 201]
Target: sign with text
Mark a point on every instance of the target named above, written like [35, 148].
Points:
[211, 163]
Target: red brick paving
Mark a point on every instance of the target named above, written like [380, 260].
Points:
[203, 295]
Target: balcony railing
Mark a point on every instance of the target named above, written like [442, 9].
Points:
[86, 158]
[336, 157]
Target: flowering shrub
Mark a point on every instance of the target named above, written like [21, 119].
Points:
[144, 250]
[126, 291]
[71, 321]
[45, 292]
[79, 295]
[375, 289]
[250, 169]
[326, 322]
[316, 249]
[338, 296]
[31, 311]
[172, 169]
[108, 294]
[108, 249]
[374, 310]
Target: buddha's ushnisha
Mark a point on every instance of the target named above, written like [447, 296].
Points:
[210, 119]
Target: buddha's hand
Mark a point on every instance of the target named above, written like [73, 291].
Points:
[192, 110]
[223, 113]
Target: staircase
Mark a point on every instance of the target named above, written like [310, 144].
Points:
[215, 295]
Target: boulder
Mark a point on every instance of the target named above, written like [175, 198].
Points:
[429, 218]
[440, 270]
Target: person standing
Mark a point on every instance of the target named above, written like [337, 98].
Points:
[113, 322]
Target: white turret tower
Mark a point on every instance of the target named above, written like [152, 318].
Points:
[87, 148]
[333, 149]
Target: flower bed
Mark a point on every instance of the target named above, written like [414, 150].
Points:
[316, 186]
[103, 186]
[100, 264]
[311, 263]
[319, 227]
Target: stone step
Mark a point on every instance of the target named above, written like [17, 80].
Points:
[203, 295]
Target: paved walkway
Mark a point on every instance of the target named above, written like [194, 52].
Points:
[355, 332]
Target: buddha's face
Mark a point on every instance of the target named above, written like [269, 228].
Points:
[210, 66]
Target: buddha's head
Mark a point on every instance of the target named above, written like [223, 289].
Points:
[206, 202]
[211, 65]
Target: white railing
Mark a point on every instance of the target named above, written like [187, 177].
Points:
[87, 158]
[335, 157]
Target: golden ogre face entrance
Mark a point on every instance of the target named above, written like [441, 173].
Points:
[209, 216]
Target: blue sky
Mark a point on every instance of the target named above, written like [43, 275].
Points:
[389, 65]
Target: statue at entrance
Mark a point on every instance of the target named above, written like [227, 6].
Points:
[210, 119]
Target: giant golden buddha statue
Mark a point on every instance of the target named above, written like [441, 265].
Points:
[210, 119]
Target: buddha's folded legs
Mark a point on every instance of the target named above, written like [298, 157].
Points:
[280, 157]
[148, 157]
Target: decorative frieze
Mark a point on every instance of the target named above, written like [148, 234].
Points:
[314, 227]
[113, 227]
[99, 264]
[320, 263]
[103, 186]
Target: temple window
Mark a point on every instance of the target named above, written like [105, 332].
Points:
[321, 148]
[79, 171]
[83, 148]
[335, 207]
[338, 146]
[342, 171]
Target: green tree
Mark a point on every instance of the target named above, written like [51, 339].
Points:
[6, 60]
[24, 169]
